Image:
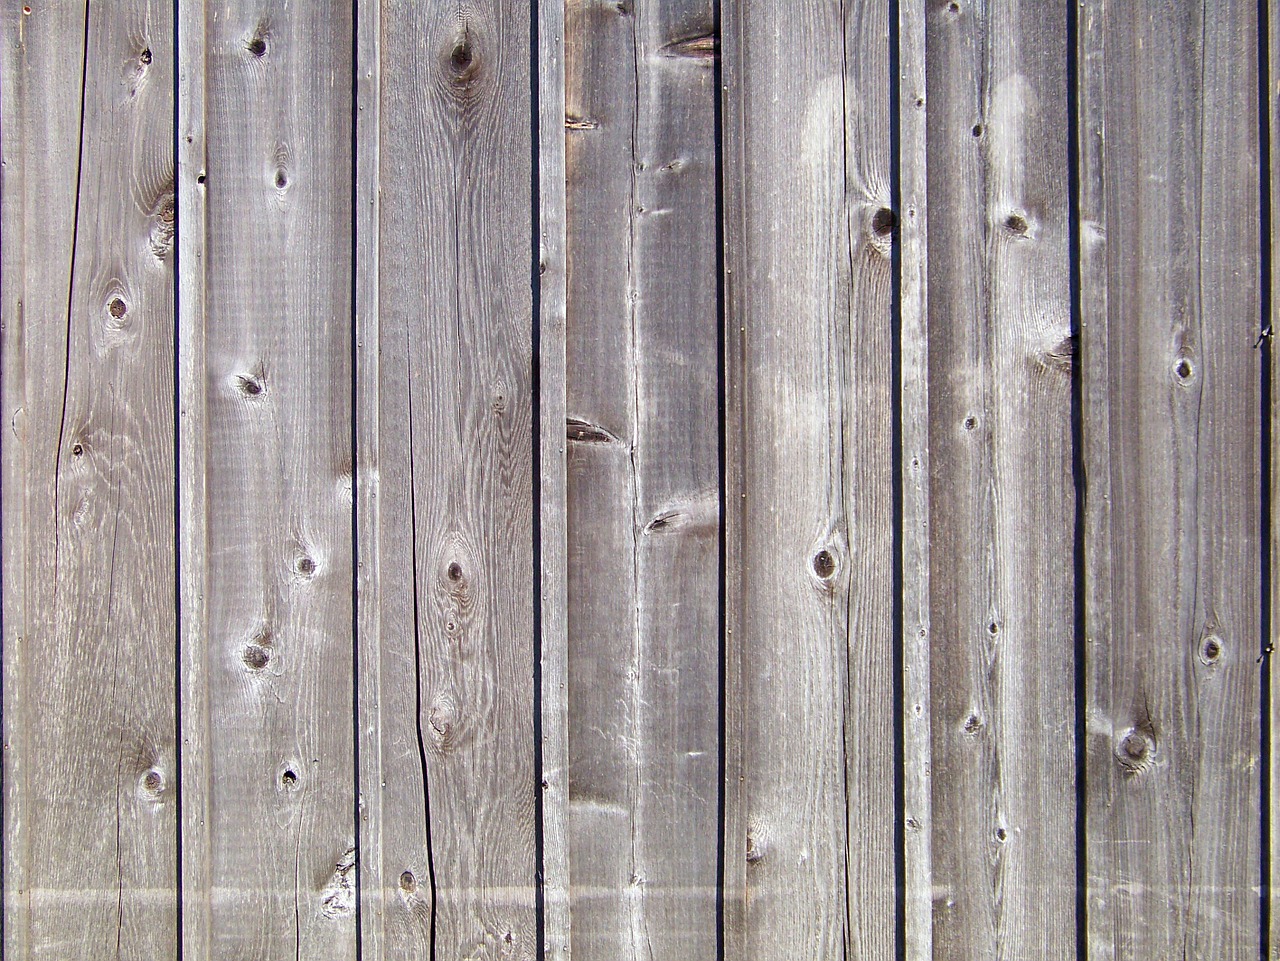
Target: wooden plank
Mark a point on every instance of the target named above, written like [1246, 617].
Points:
[643, 465]
[553, 480]
[1269, 89]
[90, 760]
[454, 539]
[809, 689]
[267, 362]
[1169, 210]
[1002, 504]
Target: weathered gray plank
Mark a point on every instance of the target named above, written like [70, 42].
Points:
[1002, 502]
[454, 535]
[90, 841]
[553, 478]
[809, 866]
[913, 304]
[643, 462]
[267, 363]
[1169, 209]
[1270, 86]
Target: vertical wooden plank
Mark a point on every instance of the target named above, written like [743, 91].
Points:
[1169, 210]
[454, 539]
[643, 464]
[1270, 88]
[1002, 504]
[553, 481]
[269, 370]
[90, 844]
[809, 702]
[914, 472]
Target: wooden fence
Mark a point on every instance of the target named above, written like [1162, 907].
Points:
[638, 479]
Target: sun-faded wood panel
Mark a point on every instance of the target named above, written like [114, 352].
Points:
[90, 865]
[1170, 308]
[267, 366]
[1270, 87]
[553, 480]
[1002, 502]
[454, 534]
[809, 700]
[643, 469]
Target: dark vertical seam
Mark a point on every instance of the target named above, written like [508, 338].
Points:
[1080, 584]
[1264, 550]
[355, 467]
[717, 111]
[535, 389]
[179, 889]
[899, 519]
[417, 659]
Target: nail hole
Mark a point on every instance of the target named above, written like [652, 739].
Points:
[200, 179]
[919, 101]
[455, 571]
[257, 46]
[977, 127]
[824, 564]
[76, 450]
[1183, 369]
[256, 657]
[953, 7]
[970, 423]
[26, 11]
[117, 308]
[884, 221]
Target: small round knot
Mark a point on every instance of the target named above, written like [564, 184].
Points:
[257, 46]
[117, 308]
[993, 628]
[884, 221]
[455, 571]
[1002, 835]
[77, 450]
[249, 384]
[824, 564]
[972, 725]
[977, 127]
[282, 179]
[145, 57]
[288, 779]
[1183, 370]
[408, 883]
[1016, 224]
[1210, 649]
[970, 423]
[256, 657]
[1134, 751]
[152, 782]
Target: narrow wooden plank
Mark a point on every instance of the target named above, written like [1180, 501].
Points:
[1169, 236]
[643, 464]
[553, 481]
[89, 722]
[269, 366]
[1270, 88]
[915, 474]
[1002, 504]
[454, 539]
[809, 689]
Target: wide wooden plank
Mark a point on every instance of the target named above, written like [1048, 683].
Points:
[643, 465]
[266, 372]
[1170, 307]
[454, 529]
[1001, 501]
[90, 826]
[809, 863]
[1269, 117]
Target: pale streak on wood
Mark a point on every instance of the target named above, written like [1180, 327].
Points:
[642, 509]
[917, 710]
[87, 444]
[455, 524]
[268, 560]
[1170, 236]
[788, 249]
[1001, 502]
[376, 888]
[557, 919]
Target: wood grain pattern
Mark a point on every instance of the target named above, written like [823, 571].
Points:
[1001, 501]
[90, 763]
[643, 462]
[1269, 88]
[271, 742]
[454, 539]
[1169, 230]
[809, 802]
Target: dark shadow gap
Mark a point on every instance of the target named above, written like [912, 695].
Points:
[535, 339]
[355, 468]
[717, 73]
[1264, 548]
[1079, 482]
[899, 520]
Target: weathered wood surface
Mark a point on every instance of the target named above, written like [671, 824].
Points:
[599, 519]
[266, 363]
[1002, 829]
[642, 498]
[1170, 308]
[451, 542]
[90, 765]
[809, 836]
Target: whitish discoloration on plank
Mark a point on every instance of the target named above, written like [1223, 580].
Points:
[643, 466]
[1169, 238]
[454, 534]
[90, 867]
[267, 562]
[1002, 505]
[808, 233]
